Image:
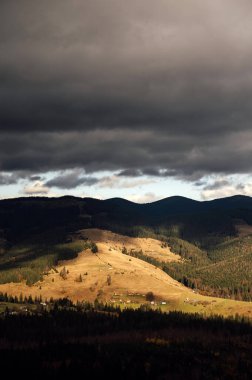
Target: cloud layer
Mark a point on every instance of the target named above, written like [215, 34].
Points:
[158, 88]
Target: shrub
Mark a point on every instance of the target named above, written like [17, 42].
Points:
[94, 248]
[124, 251]
[109, 280]
[79, 278]
[63, 273]
[150, 296]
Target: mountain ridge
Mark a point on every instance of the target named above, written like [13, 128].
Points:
[120, 199]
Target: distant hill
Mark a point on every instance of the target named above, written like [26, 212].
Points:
[193, 219]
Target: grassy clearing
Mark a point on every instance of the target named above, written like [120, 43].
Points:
[29, 263]
[131, 278]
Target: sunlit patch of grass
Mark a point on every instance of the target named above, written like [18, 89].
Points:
[28, 264]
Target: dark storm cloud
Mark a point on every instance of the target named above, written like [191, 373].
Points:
[158, 88]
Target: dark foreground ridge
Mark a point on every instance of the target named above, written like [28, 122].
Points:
[102, 341]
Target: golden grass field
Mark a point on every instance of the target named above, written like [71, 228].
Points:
[113, 277]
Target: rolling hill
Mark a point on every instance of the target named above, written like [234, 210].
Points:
[22, 215]
[117, 278]
[212, 239]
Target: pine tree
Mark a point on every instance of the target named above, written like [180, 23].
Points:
[63, 273]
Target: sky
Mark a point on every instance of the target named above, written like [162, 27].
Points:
[138, 99]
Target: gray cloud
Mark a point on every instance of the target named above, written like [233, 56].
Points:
[218, 184]
[8, 179]
[71, 181]
[153, 172]
[200, 183]
[130, 173]
[158, 88]
[35, 178]
[13, 178]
